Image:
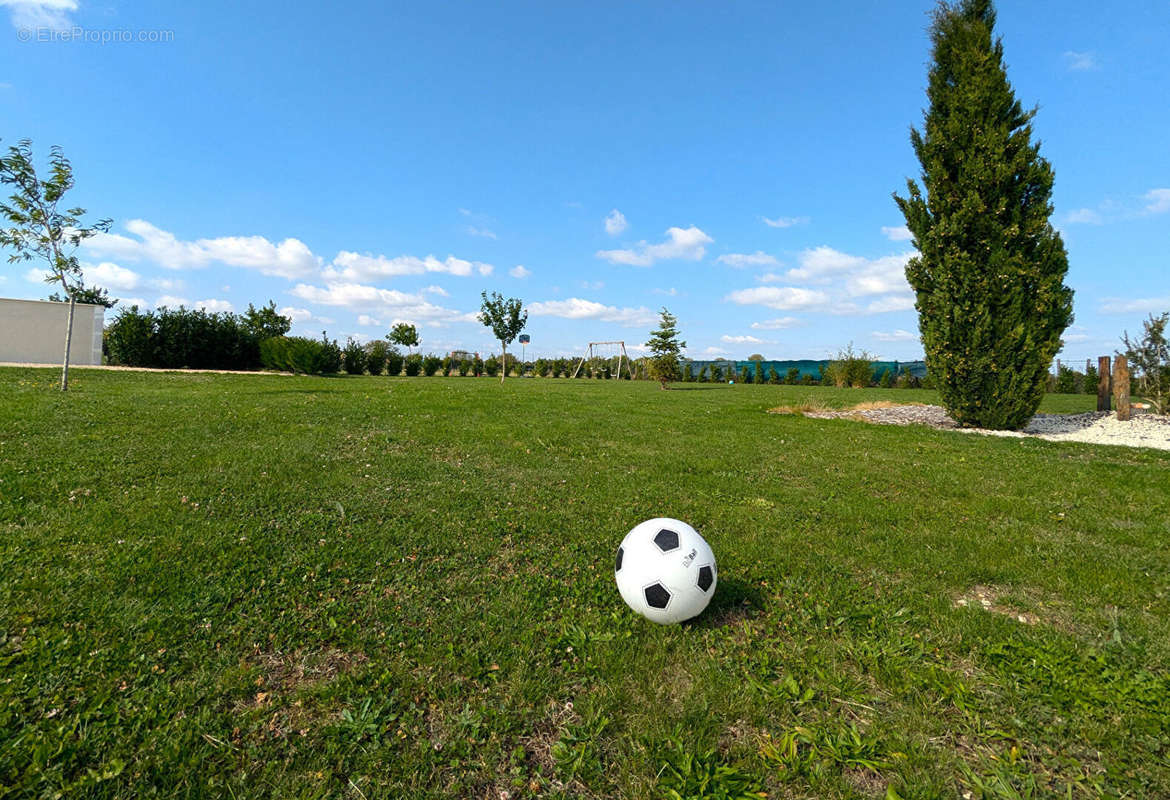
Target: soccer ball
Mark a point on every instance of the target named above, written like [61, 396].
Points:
[665, 571]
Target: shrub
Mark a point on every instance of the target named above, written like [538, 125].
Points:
[354, 357]
[376, 357]
[849, 369]
[808, 380]
[464, 368]
[1149, 358]
[393, 362]
[413, 365]
[773, 376]
[298, 354]
[887, 381]
[759, 376]
[477, 367]
[907, 380]
[1066, 380]
[792, 377]
[430, 365]
[491, 366]
[447, 362]
[1089, 385]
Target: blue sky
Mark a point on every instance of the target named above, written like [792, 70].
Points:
[365, 163]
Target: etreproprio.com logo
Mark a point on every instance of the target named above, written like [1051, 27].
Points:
[95, 35]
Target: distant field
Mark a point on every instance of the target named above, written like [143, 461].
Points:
[264, 586]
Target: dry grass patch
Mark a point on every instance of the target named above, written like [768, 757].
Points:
[989, 598]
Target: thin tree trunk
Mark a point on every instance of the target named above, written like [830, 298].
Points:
[68, 341]
[504, 369]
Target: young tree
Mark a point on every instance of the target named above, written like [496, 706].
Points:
[265, 322]
[989, 273]
[665, 350]
[506, 317]
[1149, 357]
[405, 335]
[40, 231]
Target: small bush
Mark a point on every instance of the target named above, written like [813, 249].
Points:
[413, 365]
[1066, 380]
[354, 357]
[394, 361]
[430, 365]
[1089, 385]
[887, 381]
[464, 367]
[376, 357]
[792, 377]
[491, 367]
[447, 362]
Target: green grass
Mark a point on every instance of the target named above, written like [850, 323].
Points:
[265, 586]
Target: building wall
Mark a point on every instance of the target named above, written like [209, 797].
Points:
[33, 332]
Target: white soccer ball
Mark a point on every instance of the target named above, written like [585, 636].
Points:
[665, 571]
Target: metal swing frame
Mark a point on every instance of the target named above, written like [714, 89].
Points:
[623, 358]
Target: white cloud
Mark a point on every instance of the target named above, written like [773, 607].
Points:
[894, 302]
[170, 301]
[435, 290]
[899, 233]
[368, 321]
[296, 314]
[898, 335]
[1083, 216]
[779, 323]
[519, 271]
[109, 275]
[671, 292]
[389, 302]
[1159, 201]
[288, 259]
[742, 340]
[862, 276]
[213, 306]
[1143, 305]
[127, 302]
[1080, 62]
[783, 298]
[354, 267]
[41, 13]
[741, 260]
[615, 222]
[770, 277]
[682, 243]
[303, 315]
[484, 233]
[577, 308]
[593, 285]
[715, 351]
[35, 275]
[785, 222]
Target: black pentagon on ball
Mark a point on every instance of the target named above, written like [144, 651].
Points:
[666, 540]
[706, 577]
[618, 567]
[657, 595]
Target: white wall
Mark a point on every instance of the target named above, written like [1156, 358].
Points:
[33, 332]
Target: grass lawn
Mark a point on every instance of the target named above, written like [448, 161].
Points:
[267, 586]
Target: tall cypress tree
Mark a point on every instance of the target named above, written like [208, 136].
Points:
[989, 274]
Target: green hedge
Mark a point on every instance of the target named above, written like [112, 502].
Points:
[300, 355]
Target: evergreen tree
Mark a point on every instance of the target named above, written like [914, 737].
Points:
[989, 274]
[665, 350]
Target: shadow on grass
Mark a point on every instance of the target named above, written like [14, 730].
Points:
[693, 388]
[734, 602]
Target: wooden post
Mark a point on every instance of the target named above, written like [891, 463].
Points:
[1121, 387]
[1103, 383]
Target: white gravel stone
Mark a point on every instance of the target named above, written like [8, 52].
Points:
[1096, 427]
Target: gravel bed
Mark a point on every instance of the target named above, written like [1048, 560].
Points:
[1097, 427]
